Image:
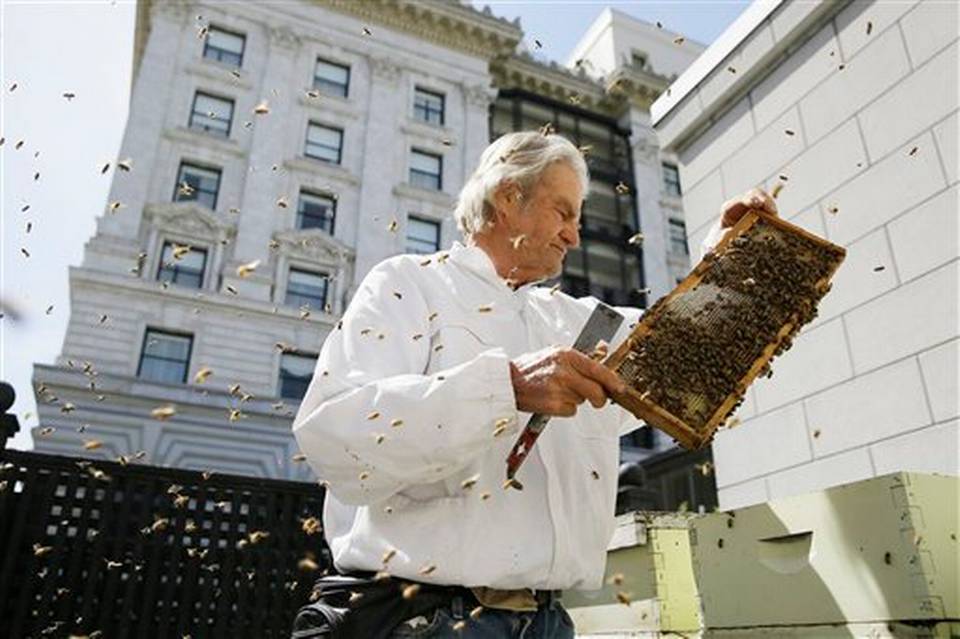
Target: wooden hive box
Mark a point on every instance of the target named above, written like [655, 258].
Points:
[690, 359]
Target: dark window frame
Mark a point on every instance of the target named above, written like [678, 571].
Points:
[674, 223]
[304, 296]
[438, 176]
[320, 83]
[671, 179]
[143, 353]
[205, 127]
[307, 143]
[178, 197]
[423, 112]
[425, 220]
[286, 381]
[332, 218]
[220, 54]
[176, 269]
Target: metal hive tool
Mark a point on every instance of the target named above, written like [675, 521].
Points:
[690, 359]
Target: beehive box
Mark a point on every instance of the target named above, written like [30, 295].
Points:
[649, 589]
[690, 359]
[877, 551]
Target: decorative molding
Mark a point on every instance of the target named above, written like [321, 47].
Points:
[641, 88]
[555, 82]
[480, 96]
[284, 37]
[626, 87]
[384, 68]
[313, 245]
[189, 219]
[450, 24]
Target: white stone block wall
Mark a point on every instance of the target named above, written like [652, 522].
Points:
[864, 128]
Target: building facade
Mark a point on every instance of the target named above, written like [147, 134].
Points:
[852, 108]
[273, 154]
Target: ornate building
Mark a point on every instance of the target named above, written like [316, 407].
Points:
[273, 154]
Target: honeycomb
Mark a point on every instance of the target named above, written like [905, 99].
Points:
[694, 353]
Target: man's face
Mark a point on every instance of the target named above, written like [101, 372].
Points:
[544, 226]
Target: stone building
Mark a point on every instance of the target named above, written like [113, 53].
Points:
[852, 107]
[277, 152]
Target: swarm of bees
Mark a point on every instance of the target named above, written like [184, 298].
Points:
[697, 348]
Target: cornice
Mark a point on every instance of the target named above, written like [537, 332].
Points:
[449, 24]
[627, 86]
[640, 87]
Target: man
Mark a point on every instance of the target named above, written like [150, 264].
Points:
[420, 393]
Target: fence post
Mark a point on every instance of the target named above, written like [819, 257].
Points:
[9, 425]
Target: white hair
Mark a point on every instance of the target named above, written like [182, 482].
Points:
[520, 158]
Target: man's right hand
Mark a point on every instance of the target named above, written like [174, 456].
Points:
[555, 381]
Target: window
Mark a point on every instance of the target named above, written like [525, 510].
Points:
[423, 236]
[165, 357]
[182, 265]
[324, 143]
[428, 106]
[678, 237]
[315, 211]
[331, 78]
[197, 184]
[224, 46]
[211, 114]
[296, 370]
[638, 60]
[425, 170]
[671, 179]
[306, 289]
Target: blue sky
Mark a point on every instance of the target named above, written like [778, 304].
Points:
[558, 24]
[84, 47]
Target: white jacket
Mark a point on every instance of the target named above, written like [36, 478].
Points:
[448, 380]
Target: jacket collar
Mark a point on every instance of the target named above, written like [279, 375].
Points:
[476, 260]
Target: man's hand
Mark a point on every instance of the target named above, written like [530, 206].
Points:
[555, 381]
[736, 208]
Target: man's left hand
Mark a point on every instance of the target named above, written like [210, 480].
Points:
[736, 208]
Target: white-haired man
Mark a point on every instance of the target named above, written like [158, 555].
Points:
[420, 393]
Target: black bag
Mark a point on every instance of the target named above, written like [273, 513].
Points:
[374, 614]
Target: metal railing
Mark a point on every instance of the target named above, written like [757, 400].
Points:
[107, 549]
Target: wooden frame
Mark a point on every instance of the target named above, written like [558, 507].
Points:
[655, 415]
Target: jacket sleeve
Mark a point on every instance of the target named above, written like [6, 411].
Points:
[372, 423]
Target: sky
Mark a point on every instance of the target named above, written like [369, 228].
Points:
[85, 48]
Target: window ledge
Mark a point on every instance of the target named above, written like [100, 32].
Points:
[439, 198]
[326, 104]
[323, 169]
[433, 133]
[219, 72]
[226, 146]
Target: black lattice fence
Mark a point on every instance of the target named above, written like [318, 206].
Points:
[110, 550]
